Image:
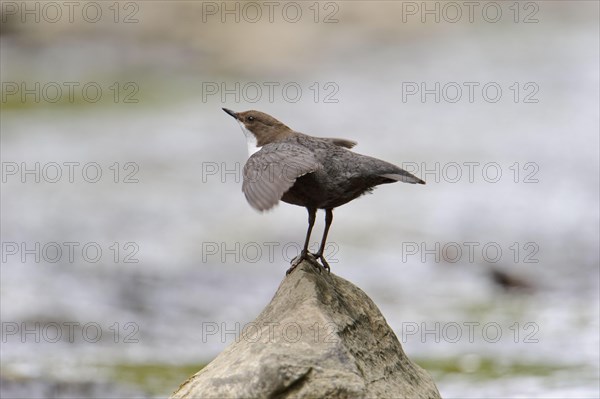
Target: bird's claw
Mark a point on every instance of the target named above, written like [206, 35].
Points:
[312, 259]
[325, 264]
[304, 255]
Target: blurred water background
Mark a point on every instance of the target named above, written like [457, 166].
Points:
[185, 262]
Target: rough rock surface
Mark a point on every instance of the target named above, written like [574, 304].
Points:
[320, 337]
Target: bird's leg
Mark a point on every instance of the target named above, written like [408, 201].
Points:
[312, 213]
[319, 254]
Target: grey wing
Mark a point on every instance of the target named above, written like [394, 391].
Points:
[340, 142]
[272, 171]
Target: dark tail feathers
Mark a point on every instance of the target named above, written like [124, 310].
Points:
[404, 177]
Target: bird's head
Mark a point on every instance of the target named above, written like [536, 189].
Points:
[259, 128]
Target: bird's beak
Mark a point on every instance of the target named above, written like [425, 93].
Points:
[230, 112]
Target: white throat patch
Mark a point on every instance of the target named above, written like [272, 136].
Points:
[251, 140]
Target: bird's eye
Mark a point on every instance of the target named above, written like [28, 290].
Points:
[250, 118]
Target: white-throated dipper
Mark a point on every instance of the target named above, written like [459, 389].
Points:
[313, 172]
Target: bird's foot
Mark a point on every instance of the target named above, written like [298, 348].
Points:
[323, 261]
[304, 255]
[325, 265]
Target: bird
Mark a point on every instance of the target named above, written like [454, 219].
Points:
[308, 171]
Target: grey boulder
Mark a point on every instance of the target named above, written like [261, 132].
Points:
[320, 336]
